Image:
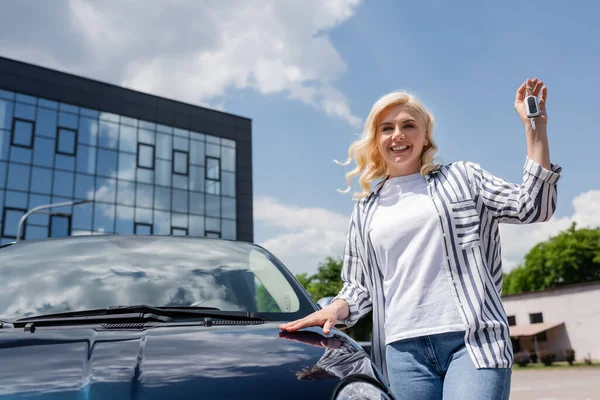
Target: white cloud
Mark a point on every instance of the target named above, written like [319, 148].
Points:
[308, 235]
[194, 51]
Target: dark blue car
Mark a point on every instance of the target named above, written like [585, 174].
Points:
[151, 317]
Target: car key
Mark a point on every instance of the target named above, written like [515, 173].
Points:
[533, 109]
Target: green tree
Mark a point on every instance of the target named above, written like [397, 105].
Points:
[572, 256]
[264, 300]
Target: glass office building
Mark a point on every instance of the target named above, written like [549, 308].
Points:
[146, 165]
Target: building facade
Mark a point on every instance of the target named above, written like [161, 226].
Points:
[146, 164]
[556, 319]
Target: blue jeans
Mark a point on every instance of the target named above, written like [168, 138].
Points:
[439, 367]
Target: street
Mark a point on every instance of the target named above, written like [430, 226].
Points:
[556, 384]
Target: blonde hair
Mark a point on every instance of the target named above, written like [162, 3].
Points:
[365, 151]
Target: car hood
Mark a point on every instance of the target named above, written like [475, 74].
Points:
[216, 362]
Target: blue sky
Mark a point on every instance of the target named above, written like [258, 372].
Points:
[307, 74]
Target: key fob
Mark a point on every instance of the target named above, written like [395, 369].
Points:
[532, 106]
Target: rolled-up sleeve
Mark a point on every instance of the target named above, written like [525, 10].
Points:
[533, 200]
[355, 290]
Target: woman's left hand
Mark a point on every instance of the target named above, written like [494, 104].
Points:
[536, 87]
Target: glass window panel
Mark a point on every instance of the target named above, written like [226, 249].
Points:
[41, 180]
[163, 173]
[46, 123]
[11, 219]
[228, 229]
[1, 207]
[143, 195]
[164, 129]
[64, 162]
[227, 159]
[67, 120]
[47, 104]
[180, 181]
[80, 232]
[125, 220]
[213, 139]
[127, 166]
[197, 203]
[15, 199]
[88, 131]
[163, 146]
[162, 222]
[66, 141]
[63, 209]
[151, 126]
[23, 98]
[213, 206]
[142, 229]
[126, 193]
[145, 175]
[69, 108]
[128, 138]
[143, 215]
[5, 94]
[63, 183]
[162, 198]
[213, 168]
[180, 220]
[109, 117]
[104, 217]
[38, 218]
[21, 155]
[180, 143]
[25, 111]
[107, 162]
[23, 133]
[198, 136]
[18, 177]
[82, 216]
[213, 224]
[213, 187]
[129, 121]
[228, 143]
[86, 159]
[108, 134]
[4, 144]
[59, 226]
[178, 231]
[146, 136]
[228, 208]
[145, 156]
[35, 232]
[84, 186]
[6, 114]
[213, 150]
[90, 113]
[180, 200]
[228, 184]
[196, 153]
[41, 155]
[196, 226]
[180, 162]
[106, 190]
[181, 132]
[196, 178]
[2, 178]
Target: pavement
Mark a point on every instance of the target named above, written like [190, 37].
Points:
[556, 384]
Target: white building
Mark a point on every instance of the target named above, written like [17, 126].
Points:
[556, 319]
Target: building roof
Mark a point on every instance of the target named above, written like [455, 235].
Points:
[556, 290]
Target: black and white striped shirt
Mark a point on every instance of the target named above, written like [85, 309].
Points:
[471, 203]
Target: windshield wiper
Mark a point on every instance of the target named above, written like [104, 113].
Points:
[136, 313]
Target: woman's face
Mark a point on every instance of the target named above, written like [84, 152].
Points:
[401, 137]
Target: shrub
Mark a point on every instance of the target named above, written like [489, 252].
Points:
[588, 360]
[547, 357]
[569, 356]
[522, 358]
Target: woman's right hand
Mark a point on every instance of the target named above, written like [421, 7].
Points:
[326, 318]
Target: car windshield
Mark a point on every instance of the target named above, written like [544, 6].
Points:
[50, 276]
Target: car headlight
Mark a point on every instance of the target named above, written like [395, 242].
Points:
[360, 390]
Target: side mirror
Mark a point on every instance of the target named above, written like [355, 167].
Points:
[325, 301]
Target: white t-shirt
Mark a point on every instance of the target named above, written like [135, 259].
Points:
[407, 240]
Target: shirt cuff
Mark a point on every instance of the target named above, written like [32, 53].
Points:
[551, 175]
